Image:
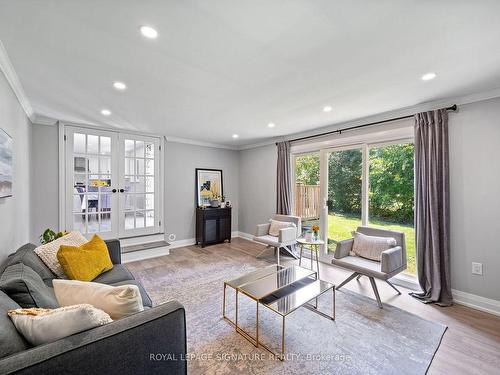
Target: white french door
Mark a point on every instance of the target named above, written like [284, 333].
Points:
[112, 183]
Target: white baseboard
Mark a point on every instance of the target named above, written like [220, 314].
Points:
[145, 254]
[246, 236]
[476, 302]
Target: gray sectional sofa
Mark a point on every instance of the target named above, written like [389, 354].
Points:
[150, 342]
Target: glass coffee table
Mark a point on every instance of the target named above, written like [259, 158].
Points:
[282, 290]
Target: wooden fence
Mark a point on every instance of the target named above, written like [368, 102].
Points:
[307, 201]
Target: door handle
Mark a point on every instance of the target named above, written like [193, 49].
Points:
[122, 190]
[114, 191]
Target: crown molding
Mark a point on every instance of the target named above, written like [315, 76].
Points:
[199, 143]
[42, 120]
[10, 74]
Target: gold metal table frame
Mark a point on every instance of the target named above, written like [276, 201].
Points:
[311, 291]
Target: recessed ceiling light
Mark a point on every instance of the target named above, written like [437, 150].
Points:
[271, 125]
[149, 32]
[105, 112]
[235, 136]
[327, 108]
[428, 76]
[119, 85]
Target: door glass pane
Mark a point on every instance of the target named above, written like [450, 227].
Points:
[129, 204]
[128, 185]
[79, 143]
[105, 222]
[139, 185]
[150, 150]
[105, 145]
[391, 196]
[79, 223]
[92, 144]
[139, 219]
[105, 165]
[150, 219]
[78, 203]
[150, 167]
[93, 223]
[150, 184]
[344, 195]
[150, 202]
[129, 148]
[129, 166]
[129, 220]
[139, 149]
[93, 165]
[105, 202]
[140, 201]
[307, 190]
[139, 165]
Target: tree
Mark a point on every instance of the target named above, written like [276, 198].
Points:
[344, 182]
[307, 169]
[392, 183]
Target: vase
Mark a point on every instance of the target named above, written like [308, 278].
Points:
[316, 236]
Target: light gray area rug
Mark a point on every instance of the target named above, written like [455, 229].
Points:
[363, 340]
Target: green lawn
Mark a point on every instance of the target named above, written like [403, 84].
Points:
[340, 227]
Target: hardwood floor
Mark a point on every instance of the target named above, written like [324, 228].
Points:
[471, 345]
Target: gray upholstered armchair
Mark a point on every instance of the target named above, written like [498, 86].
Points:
[287, 236]
[393, 261]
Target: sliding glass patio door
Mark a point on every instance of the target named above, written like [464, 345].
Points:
[112, 183]
[370, 185]
[342, 193]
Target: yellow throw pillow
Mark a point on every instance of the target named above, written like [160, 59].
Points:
[87, 261]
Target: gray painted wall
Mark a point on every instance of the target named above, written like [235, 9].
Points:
[180, 163]
[257, 187]
[45, 177]
[475, 202]
[15, 210]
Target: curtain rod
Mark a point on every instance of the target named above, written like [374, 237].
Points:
[452, 108]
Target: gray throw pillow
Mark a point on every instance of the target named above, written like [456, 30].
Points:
[10, 340]
[27, 288]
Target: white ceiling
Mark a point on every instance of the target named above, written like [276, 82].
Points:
[224, 67]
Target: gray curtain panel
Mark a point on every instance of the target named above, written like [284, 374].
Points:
[283, 180]
[432, 207]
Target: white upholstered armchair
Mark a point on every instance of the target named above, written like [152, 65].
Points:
[392, 261]
[286, 238]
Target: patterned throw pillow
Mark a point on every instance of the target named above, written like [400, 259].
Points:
[41, 326]
[274, 228]
[48, 252]
[371, 247]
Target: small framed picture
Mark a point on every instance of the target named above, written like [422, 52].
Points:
[209, 186]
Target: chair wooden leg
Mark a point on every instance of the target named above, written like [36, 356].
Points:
[375, 290]
[347, 280]
[393, 287]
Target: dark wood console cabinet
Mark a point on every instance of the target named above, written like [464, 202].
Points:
[213, 225]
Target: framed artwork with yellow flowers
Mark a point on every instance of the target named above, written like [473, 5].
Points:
[209, 186]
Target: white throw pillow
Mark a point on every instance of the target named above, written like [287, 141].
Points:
[371, 247]
[274, 228]
[41, 326]
[48, 252]
[117, 301]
